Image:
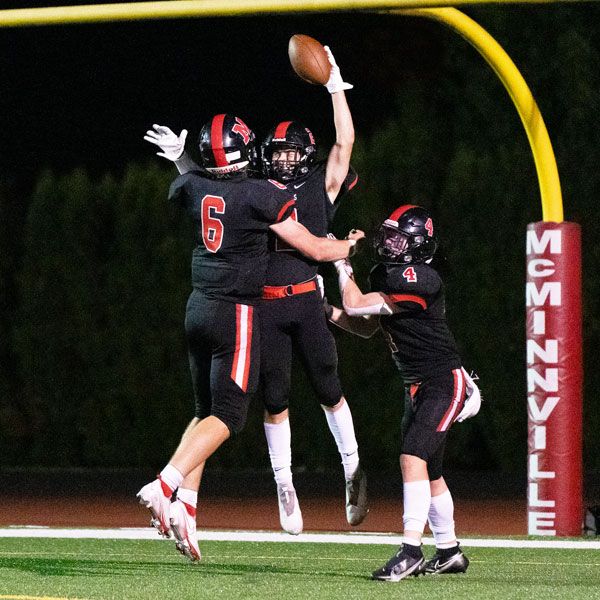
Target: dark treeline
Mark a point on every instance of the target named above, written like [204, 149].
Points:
[94, 273]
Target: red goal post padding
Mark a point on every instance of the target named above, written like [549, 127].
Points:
[554, 379]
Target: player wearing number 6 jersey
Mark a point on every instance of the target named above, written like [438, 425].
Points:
[407, 303]
[232, 215]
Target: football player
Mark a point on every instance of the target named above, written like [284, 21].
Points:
[232, 214]
[292, 316]
[407, 303]
[292, 310]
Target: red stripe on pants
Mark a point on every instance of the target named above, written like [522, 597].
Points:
[240, 368]
[458, 399]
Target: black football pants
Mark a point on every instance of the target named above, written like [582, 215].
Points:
[296, 323]
[223, 346]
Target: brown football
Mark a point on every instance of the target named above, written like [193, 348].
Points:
[309, 59]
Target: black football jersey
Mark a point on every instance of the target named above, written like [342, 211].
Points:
[232, 219]
[315, 211]
[418, 335]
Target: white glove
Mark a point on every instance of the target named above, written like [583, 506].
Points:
[172, 146]
[321, 286]
[472, 401]
[335, 83]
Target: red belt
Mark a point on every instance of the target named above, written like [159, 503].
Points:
[272, 292]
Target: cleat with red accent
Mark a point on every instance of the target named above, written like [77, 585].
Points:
[183, 525]
[156, 497]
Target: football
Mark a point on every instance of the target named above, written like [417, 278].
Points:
[309, 59]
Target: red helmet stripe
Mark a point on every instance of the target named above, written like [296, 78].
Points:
[281, 130]
[216, 140]
[395, 216]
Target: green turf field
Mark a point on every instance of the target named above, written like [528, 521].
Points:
[130, 569]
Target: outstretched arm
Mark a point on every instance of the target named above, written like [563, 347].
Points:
[364, 327]
[316, 248]
[338, 161]
[355, 302]
[172, 146]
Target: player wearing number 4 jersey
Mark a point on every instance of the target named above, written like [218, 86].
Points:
[232, 215]
[407, 303]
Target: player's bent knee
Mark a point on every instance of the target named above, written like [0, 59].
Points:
[328, 389]
[233, 419]
[435, 472]
[330, 403]
[201, 412]
[275, 408]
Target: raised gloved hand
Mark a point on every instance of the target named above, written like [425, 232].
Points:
[172, 146]
[335, 83]
[472, 401]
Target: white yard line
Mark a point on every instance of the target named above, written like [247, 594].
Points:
[147, 533]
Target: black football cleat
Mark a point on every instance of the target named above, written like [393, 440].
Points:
[400, 566]
[439, 564]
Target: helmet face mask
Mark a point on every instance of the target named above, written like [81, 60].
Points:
[227, 145]
[284, 137]
[390, 243]
[285, 162]
[407, 236]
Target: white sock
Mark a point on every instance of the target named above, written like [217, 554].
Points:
[188, 496]
[417, 498]
[171, 476]
[441, 520]
[342, 428]
[279, 441]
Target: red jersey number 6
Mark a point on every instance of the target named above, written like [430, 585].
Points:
[212, 227]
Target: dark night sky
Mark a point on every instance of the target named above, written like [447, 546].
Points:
[85, 94]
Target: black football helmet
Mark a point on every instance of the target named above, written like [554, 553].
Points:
[227, 145]
[406, 236]
[284, 136]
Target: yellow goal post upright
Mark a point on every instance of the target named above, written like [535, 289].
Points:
[553, 247]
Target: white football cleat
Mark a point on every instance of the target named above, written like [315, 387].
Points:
[183, 524]
[356, 498]
[290, 515]
[153, 497]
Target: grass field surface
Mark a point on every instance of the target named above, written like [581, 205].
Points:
[36, 568]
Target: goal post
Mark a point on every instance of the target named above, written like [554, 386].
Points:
[554, 379]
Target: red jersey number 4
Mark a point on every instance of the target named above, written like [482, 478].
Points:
[409, 274]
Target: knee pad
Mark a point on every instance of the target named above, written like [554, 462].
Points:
[327, 386]
[233, 415]
[275, 400]
[275, 409]
[434, 470]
